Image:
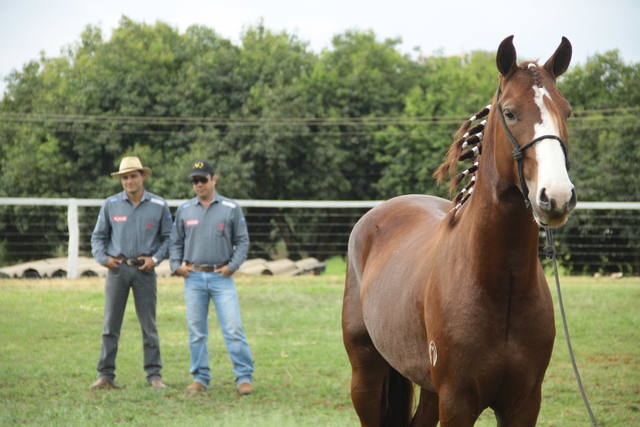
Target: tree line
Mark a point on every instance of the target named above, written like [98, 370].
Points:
[357, 121]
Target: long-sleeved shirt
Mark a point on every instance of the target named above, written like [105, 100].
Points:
[131, 231]
[209, 236]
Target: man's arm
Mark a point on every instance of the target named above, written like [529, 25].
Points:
[176, 242]
[100, 236]
[240, 240]
[165, 235]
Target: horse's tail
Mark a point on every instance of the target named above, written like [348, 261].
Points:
[398, 407]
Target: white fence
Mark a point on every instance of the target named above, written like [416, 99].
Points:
[73, 227]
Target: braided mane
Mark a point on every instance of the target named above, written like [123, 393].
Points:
[467, 138]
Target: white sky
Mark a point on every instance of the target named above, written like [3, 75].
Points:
[449, 27]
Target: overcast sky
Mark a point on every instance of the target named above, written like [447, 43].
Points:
[432, 26]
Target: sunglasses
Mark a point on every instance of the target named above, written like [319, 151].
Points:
[199, 179]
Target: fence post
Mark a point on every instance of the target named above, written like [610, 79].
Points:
[74, 239]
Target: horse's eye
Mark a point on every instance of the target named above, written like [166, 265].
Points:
[509, 115]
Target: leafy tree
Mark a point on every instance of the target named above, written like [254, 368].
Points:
[362, 83]
[605, 153]
[357, 121]
[450, 89]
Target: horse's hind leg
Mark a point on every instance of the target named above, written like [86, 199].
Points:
[426, 414]
[368, 388]
[368, 368]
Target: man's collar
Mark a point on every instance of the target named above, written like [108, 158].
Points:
[145, 195]
[216, 198]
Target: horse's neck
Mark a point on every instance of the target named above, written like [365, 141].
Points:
[503, 236]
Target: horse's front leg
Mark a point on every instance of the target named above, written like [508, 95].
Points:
[523, 413]
[457, 406]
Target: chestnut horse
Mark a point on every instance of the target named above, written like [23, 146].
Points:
[452, 297]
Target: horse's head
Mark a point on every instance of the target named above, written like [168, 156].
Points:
[532, 117]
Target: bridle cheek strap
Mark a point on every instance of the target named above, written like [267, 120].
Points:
[518, 151]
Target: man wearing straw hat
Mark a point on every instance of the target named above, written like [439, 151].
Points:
[130, 238]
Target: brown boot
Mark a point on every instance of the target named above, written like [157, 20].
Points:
[103, 383]
[245, 389]
[156, 382]
[196, 387]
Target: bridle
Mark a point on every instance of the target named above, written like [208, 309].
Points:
[518, 151]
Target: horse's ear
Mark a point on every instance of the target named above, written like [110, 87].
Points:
[506, 57]
[559, 61]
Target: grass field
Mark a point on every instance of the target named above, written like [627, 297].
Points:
[50, 338]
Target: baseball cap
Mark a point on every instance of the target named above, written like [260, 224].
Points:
[201, 168]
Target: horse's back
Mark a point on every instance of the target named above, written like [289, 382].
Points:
[391, 225]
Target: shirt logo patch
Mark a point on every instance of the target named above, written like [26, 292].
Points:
[149, 225]
[119, 218]
[221, 226]
[191, 222]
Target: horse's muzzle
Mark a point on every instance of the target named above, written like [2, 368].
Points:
[551, 212]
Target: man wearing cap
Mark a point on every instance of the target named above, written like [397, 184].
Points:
[209, 241]
[130, 238]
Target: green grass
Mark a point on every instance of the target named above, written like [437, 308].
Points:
[50, 338]
[336, 265]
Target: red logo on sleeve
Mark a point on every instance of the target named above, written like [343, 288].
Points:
[191, 222]
[119, 218]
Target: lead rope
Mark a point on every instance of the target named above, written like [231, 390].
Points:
[550, 252]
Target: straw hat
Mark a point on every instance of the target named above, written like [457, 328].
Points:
[131, 164]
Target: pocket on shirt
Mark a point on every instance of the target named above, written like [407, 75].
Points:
[151, 228]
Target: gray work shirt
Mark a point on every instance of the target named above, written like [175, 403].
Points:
[131, 231]
[211, 236]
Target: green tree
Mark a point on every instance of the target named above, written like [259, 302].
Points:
[359, 120]
[361, 83]
[450, 90]
[605, 153]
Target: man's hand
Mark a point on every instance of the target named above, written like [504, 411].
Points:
[224, 270]
[113, 263]
[148, 263]
[184, 270]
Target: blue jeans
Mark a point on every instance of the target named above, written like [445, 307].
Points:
[199, 288]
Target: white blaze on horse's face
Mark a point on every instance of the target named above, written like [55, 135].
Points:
[552, 195]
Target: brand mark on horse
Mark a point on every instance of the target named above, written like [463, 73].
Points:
[433, 353]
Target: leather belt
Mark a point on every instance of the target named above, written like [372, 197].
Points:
[206, 268]
[131, 261]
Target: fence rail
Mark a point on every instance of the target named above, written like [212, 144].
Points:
[604, 233]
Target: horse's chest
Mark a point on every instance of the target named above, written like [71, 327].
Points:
[490, 351]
